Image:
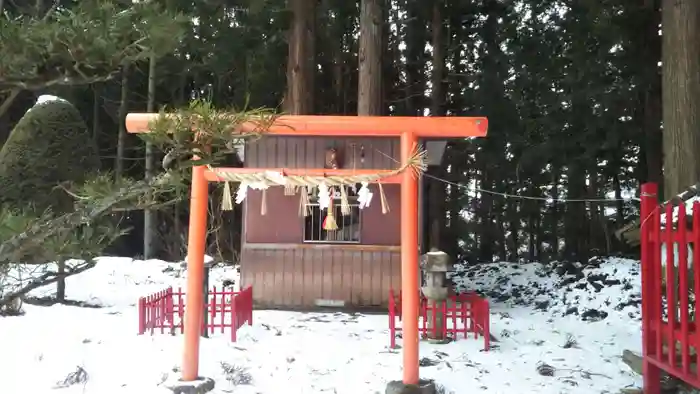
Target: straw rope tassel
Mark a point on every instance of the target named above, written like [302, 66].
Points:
[263, 203]
[382, 199]
[329, 223]
[227, 198]
[289, 189]
[344, 204]
[304, 202]
[416, 164]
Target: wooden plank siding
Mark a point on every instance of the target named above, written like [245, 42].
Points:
[284, 271]
[309, 152]
[297, 276]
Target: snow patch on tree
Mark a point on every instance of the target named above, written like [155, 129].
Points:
[46, 98]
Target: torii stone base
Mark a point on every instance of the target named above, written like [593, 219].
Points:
[423, 387]
[199, 386]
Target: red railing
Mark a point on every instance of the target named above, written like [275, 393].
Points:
[164, 311]
[462, 314]
[669, 336]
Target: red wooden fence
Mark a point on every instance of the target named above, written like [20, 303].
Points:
[164, 311]
[463, 314]
[670, 296]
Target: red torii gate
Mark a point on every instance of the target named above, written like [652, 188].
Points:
[408, 129]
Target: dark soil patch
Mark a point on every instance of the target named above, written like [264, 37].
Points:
[50, 301]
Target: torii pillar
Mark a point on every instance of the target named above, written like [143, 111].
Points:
[408, 129]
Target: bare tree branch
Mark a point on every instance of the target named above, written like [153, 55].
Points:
[11, 250]
[7, 103]
[44, 279]
[62, 80]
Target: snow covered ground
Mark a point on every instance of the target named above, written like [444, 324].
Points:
[538, 316]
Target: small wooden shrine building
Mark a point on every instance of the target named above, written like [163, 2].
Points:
[290, 254]
[290, 257]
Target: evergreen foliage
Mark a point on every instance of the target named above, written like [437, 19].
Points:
[55, 130]
[86, 42]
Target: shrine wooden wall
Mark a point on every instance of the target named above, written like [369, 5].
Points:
[309, 152]
[305, 275]
[282, 224]
[284, 271]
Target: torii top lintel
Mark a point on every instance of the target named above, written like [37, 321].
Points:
[352, 126]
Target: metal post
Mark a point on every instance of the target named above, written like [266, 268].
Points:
[205, 290]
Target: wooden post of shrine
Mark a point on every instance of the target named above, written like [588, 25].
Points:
[408, 129]
[196, 248]
[409, 262]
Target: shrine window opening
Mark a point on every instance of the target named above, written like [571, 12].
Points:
[348, 225]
